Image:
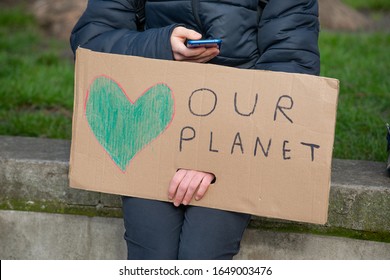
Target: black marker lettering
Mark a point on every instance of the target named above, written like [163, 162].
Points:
[312, 146]
[258, 142]
[280, 108]
[237, 142]
[200, 91]
[285, 150]
[243, 114]
[211, 143]
[189, 138]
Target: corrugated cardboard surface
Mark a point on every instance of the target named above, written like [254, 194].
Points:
[267, 136]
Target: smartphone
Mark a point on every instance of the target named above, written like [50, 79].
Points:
[206, 43]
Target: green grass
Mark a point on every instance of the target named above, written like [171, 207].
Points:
[369, 4]
[36, 85]
[361, 63]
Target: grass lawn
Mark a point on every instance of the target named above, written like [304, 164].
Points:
[369, 4]
[36, 85]
[361, 63]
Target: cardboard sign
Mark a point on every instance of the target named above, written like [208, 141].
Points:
[267, 136]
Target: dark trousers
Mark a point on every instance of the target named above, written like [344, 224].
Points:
[159, 230]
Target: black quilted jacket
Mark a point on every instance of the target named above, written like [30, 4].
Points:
[281, 37]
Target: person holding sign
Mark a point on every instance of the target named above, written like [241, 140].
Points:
[277, 35]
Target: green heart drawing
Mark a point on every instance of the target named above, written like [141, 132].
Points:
[124, 127]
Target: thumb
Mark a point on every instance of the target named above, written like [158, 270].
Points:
[193, 35]
[187, 33]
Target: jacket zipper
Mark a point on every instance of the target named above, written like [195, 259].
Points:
[195, 12]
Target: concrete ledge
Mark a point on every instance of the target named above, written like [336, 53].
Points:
[34, 177]
[34, 235]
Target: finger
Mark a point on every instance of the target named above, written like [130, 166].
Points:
[182, 188]
[201, 60]
[192, 187]
[175, 182]
[204, 185]
[194, 52]
[199, 53]
[203, 57]
[181, 52]
[209, 54]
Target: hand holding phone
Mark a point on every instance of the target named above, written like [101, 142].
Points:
[179, 38]
[206, 43]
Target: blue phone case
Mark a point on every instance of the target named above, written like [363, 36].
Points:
[204, 43]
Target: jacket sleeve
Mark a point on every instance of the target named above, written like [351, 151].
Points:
[288, 37]
[110, 26]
